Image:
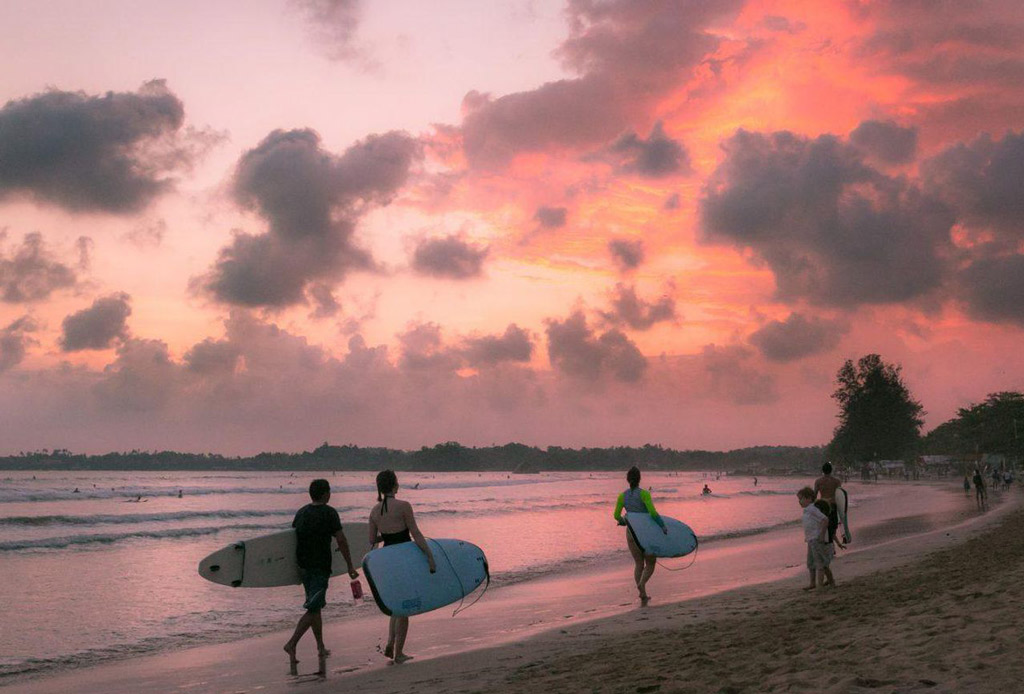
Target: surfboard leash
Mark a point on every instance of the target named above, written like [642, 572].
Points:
[462, 588]
[683, 568]
[460, 608]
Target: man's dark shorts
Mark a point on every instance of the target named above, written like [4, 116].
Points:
[833, 522]
[315, 583]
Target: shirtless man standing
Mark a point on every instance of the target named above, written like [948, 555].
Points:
[826, 487]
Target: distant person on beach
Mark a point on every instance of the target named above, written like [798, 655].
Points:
[315, 524]
[980, 495]
[1007, 479]
[755, 481]
[706, 490]
[637, 500]
[819, 549]
[392, 522]
[967, 486]
[825, 487]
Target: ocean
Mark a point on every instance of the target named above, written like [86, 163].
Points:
[102, 565]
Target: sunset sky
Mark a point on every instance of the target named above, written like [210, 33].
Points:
[265, 224]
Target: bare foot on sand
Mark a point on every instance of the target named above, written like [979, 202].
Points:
[290, 650]
[324, 652]
[389, 652]
[401, 658]
[810, 587]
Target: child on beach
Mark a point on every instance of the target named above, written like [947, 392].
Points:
[819, 549]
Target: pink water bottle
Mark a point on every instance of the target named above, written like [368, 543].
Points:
[357, 589]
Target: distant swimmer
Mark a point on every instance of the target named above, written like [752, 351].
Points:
[755, 481]
[637, 500]
[179, 493]
[706, 490]
[76, 491]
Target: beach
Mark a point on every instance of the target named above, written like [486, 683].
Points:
[926, 606]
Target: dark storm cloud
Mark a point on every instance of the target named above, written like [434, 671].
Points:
[984, 181]
[450, 257]
[975, 44]
[212, 357]
[110, 153]
[334, 23]
[656, 157]
[14, 342]
[993, 289]
[557, 114]
[628, 254]
[84, 245]
[629, 309]
[423, 351]
[31, 273]
[575, 350]
[964, 59]
[147, 234]
[551, 217]
[782, 24]
[98, 326]
[734, 379]
[142, 378]
[512, 346]
[796, 337]
[886, 141]
[324, 300]
[311, 200]
[834, 230]
[626, 52]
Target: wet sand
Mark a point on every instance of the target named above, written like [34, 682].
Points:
[936, 612]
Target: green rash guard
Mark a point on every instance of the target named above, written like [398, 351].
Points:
[645, 499]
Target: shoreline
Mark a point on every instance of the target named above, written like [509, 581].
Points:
[777, 637]
[558, 609]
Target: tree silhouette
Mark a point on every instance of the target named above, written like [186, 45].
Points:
[878, 418]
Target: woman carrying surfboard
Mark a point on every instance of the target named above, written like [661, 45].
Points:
[637, 500]
[392, 522]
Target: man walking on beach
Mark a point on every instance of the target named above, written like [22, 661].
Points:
[315, 524]
[825, 487]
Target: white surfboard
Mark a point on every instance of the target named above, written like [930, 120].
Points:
[678, 542]
[269, 560]
[843, 510]
[403, 586]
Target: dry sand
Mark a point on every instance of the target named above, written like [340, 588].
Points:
[940, 611]
[952, 621]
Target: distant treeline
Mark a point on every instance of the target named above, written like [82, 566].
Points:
[450, 456]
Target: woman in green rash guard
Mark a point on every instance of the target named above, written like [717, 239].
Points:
[637, 500]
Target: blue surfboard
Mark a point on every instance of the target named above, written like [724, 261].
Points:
[648, 535]
[403, 586]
